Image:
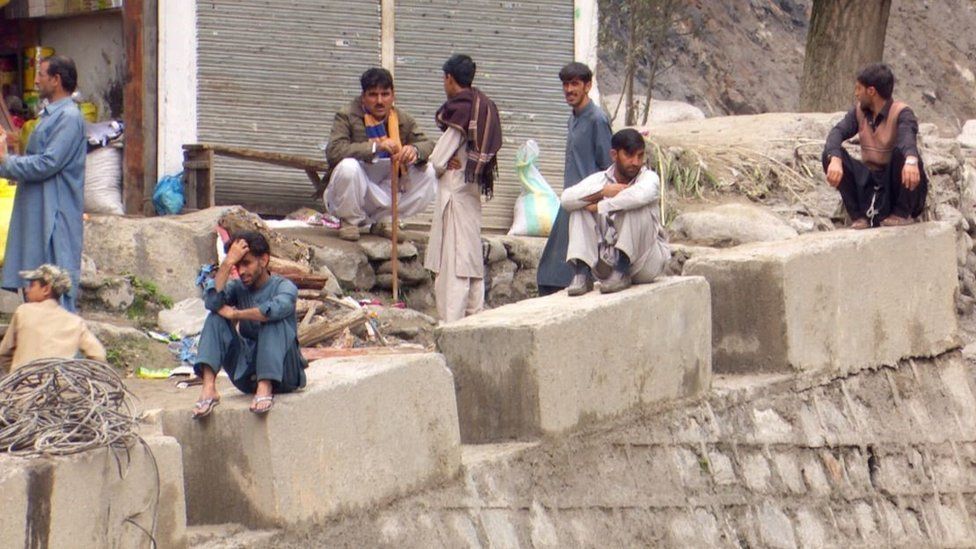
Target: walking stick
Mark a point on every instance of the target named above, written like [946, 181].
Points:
[394, 256]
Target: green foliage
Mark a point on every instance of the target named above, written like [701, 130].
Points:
[149, 300]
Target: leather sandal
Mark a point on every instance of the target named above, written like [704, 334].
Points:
[204, 407]
[258, 400]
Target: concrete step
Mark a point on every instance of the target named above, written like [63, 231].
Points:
[832, 303]
[95, 499]
[364, 431]
[549, 365]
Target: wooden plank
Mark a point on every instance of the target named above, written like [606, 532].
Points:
[134, 173]
[277, 159]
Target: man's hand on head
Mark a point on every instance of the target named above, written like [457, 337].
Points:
[910, 176]
[835, 171]
[237, 251]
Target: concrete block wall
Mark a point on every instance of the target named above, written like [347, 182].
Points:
[82, 501]
[834, 302]
[548, 365]
[364, 431]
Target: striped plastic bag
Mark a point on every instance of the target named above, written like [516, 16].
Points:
[536, 207]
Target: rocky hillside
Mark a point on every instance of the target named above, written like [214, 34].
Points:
[748, 58]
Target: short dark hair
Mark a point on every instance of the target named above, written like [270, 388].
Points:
[63, 67]
[257, 244]
[879, 77]
[628, 140]
[462, 68]
[376, 77]
[576, 71]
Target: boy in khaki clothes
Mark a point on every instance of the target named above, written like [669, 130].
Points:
[40, 328]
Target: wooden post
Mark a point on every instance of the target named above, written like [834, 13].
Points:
[387, 35]
[394, 255]
[134, 174]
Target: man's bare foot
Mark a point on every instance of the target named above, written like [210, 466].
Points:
[896, 221]
[860, 223]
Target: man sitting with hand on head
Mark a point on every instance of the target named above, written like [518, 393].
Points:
[615, 231]
[251, 330]
[41, 328]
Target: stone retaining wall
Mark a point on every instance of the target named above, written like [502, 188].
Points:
[883, 458]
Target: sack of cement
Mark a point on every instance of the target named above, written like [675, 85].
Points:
[103, 181]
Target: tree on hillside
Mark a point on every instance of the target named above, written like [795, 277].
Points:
[844, 36]
[643, 32]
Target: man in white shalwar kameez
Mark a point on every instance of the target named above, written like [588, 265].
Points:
[615, 231]
[464, 161]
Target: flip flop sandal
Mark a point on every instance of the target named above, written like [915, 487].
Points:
[259, 400]
[205, 406]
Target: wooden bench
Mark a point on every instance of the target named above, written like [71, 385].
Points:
[198, 163]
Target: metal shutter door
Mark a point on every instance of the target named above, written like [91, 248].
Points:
[272, 74]
[519, 47]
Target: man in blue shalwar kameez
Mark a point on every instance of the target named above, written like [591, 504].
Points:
[46, 225]
[587, 152]
[251, 331]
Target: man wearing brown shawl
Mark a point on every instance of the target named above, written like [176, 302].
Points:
[465, 162]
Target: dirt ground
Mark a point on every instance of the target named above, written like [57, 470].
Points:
[748, 59]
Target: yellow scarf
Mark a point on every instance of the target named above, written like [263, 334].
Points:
[392, 129]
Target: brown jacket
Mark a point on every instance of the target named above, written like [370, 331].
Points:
[348, 138]
[45, 330]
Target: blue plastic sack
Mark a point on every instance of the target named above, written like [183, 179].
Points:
[168, 198]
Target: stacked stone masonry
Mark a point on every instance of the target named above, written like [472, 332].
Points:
[885, 457]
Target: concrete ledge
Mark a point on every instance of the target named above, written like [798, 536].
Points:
[832, 302]
[365, 430]
[81, 500]
[547, 365]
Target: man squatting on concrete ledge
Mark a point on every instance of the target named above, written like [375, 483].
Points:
[251, 330]
[366, 136]
[888, 186]
[615, 231]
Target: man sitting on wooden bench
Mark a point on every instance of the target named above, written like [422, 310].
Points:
[367, 136]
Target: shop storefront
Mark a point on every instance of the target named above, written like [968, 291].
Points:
[99, 36]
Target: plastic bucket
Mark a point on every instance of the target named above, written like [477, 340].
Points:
[7, 194]
[32, 59]
[89, 110]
